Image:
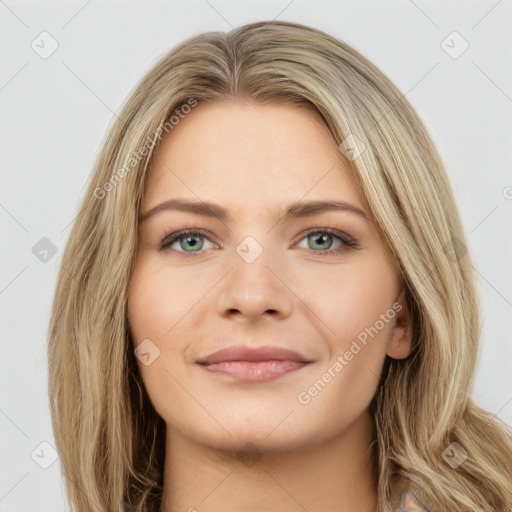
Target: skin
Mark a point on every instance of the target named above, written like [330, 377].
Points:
[234, 446]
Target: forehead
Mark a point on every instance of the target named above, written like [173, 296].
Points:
[237, 153]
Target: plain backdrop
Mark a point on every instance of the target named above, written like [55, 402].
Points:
[451, 59]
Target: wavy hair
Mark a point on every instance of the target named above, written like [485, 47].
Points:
[108, 435]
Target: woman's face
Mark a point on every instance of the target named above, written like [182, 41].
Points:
[315, 280]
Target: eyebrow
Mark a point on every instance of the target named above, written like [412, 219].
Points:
[293, 211]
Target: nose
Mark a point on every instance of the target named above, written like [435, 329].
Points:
[255, 290]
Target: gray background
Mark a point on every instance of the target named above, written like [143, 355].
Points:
[55, 112]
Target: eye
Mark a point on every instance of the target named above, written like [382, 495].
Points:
[322, 239]
[185, 240]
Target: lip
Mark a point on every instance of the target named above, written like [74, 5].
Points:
[254, 364]
[245, 353]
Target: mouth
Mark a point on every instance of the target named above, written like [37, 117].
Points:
[258, 364]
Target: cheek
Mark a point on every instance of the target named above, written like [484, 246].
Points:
[164, 307]
[353, 299]
[158, 300]
[155, 307]
[358, 311]
[363, 327]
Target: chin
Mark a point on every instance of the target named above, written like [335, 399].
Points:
[257, 438]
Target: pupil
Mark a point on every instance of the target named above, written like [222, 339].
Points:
[192, 241]
[321, 239]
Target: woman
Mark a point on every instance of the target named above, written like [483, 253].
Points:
[265, 302]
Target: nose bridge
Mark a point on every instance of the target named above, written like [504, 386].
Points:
[253, 289]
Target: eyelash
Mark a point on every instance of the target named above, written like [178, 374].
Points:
[346, 240]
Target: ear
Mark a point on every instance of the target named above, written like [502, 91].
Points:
[400, 342]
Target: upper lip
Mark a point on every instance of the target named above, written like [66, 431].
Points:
[245, 353]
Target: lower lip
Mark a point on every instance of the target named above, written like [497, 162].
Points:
[255, 371]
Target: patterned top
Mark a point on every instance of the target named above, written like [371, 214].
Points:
[407, 496]
[409, 502]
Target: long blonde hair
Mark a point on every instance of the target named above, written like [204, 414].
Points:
[108, 435]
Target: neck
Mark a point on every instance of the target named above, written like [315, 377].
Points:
[338, 475]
